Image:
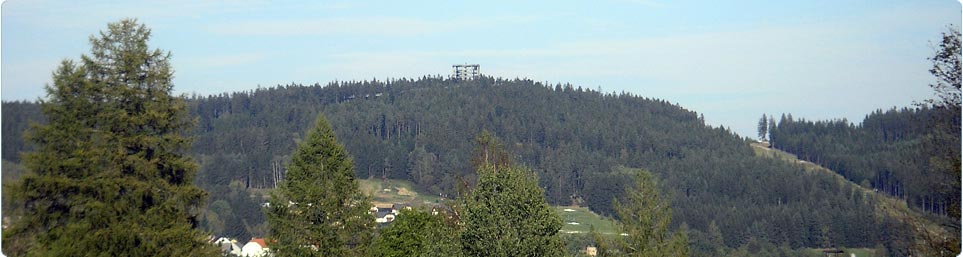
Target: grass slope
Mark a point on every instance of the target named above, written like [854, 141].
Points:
[578, 220]
[393, 191]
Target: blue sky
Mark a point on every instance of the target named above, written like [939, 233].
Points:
[730, 61]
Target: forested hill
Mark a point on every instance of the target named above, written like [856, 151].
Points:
[576, 139]
[912, 154]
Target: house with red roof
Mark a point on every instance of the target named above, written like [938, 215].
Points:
[255, 248]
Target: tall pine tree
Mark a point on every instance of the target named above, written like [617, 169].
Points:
[319, 209]
[110, 175]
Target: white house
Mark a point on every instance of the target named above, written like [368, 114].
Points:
[384, 213]
[255, 248]
[228, 245]
[384, 217]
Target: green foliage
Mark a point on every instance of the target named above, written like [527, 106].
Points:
[645, 218]
[417, 233]
[17, 117]
[506, 213]
[946, 69]
[891, 150]
[583, 220]
[763, 127]
[912, 154]
[319, 210]
[109, 175]
[573, 140]
[489, 152]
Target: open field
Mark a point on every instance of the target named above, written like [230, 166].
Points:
[581, 220]
[396, 191]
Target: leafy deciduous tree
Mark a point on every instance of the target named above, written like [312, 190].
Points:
[946, 69]
[417, 233]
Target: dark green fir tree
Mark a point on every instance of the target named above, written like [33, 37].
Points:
[319, 209]
[109, 175]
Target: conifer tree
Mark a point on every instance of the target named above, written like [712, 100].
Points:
[506, 213]
[319, 209]
[110, 175]
[763, 127]
[645, 218]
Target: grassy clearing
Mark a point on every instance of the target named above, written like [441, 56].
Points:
[575, 220]
[891, 206]
[763, 150]
[396, 191]
[858, 252]
[581, 220]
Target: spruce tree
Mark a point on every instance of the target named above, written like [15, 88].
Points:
[319, 209]
[110, 175]
[645, 218]
[763, 127]
[506, 213]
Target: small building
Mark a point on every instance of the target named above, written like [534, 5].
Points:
[384, 217]
[833, 252]
[384, 213]
[228, 246]
[255, 248]
[591, 251]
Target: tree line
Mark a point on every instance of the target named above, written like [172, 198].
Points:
[109, 175]
[896, 152]
[576, 141]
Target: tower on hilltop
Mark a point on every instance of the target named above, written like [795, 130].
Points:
[465, 71]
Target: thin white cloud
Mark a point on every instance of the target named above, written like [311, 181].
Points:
[363, 26]
[220, 61]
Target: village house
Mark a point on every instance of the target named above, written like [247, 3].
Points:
[228, 246]
[255, 248]
[386, 213]
[591, 251]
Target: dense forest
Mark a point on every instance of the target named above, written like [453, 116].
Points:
[578, 141]
[898, 152]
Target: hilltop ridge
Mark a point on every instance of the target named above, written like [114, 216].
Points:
[577, 140]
